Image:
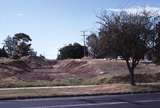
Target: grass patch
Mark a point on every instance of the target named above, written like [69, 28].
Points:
[75, 81]
[77, 90]
[139, 78]
[40, 83]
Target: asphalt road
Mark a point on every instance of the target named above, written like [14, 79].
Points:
[111, 101]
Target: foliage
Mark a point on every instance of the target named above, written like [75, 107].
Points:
[105, 50]
[157, 46]
[18, 46]
[22, 37]
[74, 51]
[128, 35]
[23, 47]
[3, 53]
[10, 46]
[92, 42]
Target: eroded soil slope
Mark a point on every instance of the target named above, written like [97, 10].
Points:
[88, 71]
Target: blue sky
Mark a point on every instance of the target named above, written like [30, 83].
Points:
[55, 23]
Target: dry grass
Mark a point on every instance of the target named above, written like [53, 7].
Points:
[76, 90]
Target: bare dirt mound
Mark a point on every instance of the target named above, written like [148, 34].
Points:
[88, 71]
[36, 62]
[60, 70]
[10, 67]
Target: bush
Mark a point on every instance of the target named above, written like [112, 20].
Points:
[3, 53]
[75, 51]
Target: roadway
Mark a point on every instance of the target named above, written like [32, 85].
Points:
[103, 101]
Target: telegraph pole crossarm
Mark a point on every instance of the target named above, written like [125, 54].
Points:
[84, 41]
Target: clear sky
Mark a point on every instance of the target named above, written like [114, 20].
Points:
[55, 23]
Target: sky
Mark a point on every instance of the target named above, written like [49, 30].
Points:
[54, 23]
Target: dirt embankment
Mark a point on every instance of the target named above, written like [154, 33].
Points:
[79, 71]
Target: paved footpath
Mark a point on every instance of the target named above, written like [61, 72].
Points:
[103, 101]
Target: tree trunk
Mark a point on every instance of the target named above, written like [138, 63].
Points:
[132, 79]
[131, 73]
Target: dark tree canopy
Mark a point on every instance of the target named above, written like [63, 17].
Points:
[157, 44]
[3, 53]
[22, 37]
[129, 35]
[10, 46]
[71, 51]
[18, 46]
[92, 42]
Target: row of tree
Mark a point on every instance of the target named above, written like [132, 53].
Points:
[17, 46]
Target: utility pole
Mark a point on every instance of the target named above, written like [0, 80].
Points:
[84, 41]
